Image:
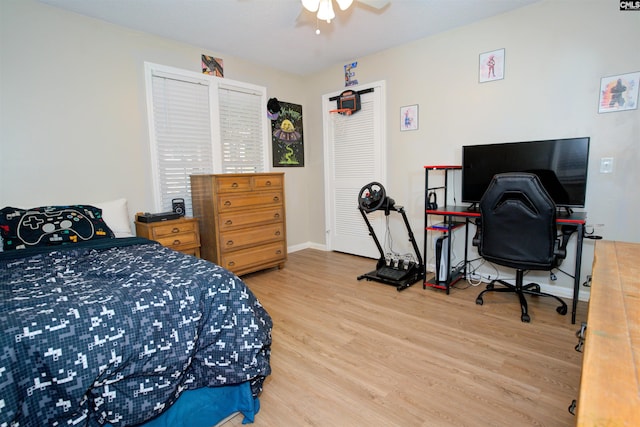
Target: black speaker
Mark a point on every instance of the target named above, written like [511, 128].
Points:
[432, 201]
[178, 206]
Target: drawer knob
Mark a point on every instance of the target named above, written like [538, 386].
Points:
[268, 183]
[277, 233]
[234, 185]
[277, 215]
[229, 242]
[175, 230]
[276, 198]
[231, 263]
[229, 222]
[278, 252]
[176, 242]
[227, 203]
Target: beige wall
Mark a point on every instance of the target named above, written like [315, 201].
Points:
[73, 118]
[556, 53]
[74, 122]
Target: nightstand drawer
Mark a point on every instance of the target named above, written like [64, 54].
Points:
[171, 229]
[177, 240]
[179, 234]
[249, 218]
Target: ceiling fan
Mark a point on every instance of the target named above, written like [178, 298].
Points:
[325, 11]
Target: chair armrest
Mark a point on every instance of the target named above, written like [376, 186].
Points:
[565, 234]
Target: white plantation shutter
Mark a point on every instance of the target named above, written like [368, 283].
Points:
[202, 124]
[183, 137]
[355, 148]
[241, 132]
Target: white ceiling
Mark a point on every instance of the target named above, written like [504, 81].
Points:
[281, 34]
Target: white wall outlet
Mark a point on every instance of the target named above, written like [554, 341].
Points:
[606, 165]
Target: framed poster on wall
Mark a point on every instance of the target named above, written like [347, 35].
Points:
[619, 93]
[491, 66]
[287, 136]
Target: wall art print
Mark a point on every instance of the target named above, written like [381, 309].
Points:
[619, 93]
[491, 66]
[350, 74]
[409, 117]
[212, 66]
[287, 136]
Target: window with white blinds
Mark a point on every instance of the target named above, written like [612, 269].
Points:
[202, 124]
[182, 134]
[241, 137]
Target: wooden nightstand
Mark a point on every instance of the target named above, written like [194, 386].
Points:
[179, 234]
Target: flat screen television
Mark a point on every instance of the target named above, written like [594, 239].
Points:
[561, 165]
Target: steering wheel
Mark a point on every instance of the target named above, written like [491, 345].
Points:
[371, 197]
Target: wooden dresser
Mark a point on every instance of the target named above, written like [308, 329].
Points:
[242, 220]
[610, 383]
[179, 234]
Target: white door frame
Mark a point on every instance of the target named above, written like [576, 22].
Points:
[378, 172]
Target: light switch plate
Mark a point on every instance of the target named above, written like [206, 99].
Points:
[606, 165]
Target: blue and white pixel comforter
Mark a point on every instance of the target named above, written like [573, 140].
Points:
[113, 332]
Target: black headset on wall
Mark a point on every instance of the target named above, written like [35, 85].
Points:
[432, 201]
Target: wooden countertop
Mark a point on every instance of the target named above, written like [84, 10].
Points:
[610, 383]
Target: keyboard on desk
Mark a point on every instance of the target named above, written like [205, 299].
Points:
[391, 273]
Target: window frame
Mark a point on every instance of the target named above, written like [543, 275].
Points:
[214, 85]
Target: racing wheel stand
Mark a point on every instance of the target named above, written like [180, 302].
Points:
[400, 274]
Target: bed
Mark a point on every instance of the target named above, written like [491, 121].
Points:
[99, 329]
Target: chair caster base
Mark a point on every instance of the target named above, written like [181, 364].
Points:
[562, 309]
[479, 301]
[525, 318]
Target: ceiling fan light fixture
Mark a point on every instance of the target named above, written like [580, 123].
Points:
[311, 5]
[325, 11]
[344, 4]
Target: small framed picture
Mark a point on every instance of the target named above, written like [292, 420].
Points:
[491, 66]
[409, 117]
[619, 93]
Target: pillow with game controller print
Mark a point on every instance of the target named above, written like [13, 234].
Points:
[51, 225]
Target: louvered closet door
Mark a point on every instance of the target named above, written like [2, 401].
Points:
[354, 157]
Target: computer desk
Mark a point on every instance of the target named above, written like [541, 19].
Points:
[577, 219]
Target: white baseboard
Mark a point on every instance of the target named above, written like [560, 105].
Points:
[307, 245]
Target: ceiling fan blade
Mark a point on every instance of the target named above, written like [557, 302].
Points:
[376, 4]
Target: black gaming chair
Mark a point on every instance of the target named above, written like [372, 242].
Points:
[517, 229]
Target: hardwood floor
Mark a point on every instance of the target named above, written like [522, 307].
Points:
[358, 353]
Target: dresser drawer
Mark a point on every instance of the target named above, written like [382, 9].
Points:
[264, 182]
[229, 202]
[251, 259]
[251, 236]
[233, 220]
[171, 229]
[229, 184]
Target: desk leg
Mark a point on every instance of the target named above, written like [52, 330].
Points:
[576, 274]
[466, 244]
